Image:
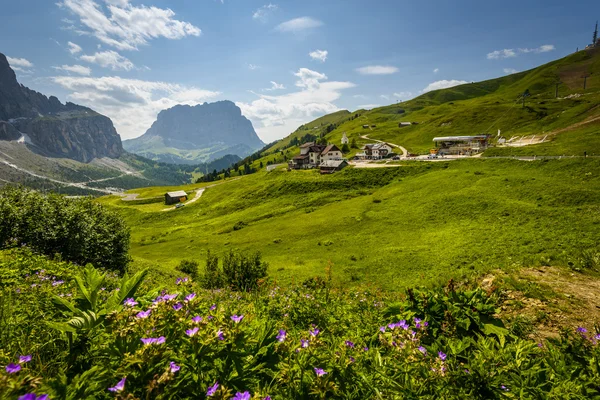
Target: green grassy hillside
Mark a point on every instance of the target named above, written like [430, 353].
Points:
[484, 107]
[422, 222]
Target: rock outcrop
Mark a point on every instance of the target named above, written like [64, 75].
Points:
[62, 130]
[197, 134]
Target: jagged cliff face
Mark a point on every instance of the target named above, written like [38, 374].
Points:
[62, 130]
[197, 134]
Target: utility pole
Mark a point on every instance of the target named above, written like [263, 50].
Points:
[585, 80]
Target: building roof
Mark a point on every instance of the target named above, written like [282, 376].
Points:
[331, 147]
[305, 145]
[375, 146]
[179, 193]
[301, 157]
[332, 163]
[458, 138]
[317, 148]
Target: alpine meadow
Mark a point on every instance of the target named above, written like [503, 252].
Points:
[282, 201]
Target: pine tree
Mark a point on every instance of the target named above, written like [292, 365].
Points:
[595, 34]
[353, 144]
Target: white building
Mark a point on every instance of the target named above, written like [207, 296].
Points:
[344, 139]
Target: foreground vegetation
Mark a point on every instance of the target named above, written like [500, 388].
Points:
[418, 223]
[109, 337]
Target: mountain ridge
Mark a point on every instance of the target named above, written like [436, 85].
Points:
[60, 130]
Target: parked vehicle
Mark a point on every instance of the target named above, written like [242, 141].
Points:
[179, 205]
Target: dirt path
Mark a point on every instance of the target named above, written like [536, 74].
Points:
[404, 151]
[554, 298]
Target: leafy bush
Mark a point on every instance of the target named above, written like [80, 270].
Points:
[188, 267]
[243, 272]
[79, 230]
[213, 276]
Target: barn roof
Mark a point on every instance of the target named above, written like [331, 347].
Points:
[179, 193]
[331, 147]
[332, 163]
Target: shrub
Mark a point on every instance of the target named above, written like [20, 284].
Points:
[79, 230]
[242, 272]
[189, 267]
[213, 276]
[239, 225]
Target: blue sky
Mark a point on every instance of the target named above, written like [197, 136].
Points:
[283, 62]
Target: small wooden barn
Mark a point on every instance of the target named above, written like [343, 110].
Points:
[331, 166]
[175, 197]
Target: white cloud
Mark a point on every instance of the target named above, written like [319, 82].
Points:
[435, 71]
[498, 54]
[74, 48]
[403, 95]
[19, 63]
[377, 70]
[131, 104]
[443, 84]
[542, 49]
[385, 97]
[509, 53]
[320, 55]
[76, 69]
[262, 14]
[253, 67]
[360, 96]
[277, 116]
[368, 106]
[509, 71]
[299, 24]
[109, 59]
[126, 26]
[275, 86]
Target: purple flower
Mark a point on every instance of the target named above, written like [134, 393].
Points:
[237, 318]
[349, 344]
[241, 396]
[352, 359]
[177, 306]
[119, 386]
[213, 307]
[267, 398]
[148, 341]
[197, 319]
[382, 328]
[212, 389]
[281, 336]
[392, 326]
[174, 367]
[504, 388]
[581, 330]
[130, 302]
[32, 396]
[442, 356]
[190, 297]
[320, 372]
[303, 343]
[417, 320]
[178, 281]
[168, 297]
[220, 335]
[423, 350]
[160, 340]
[597, 337]
[314, 332]
[143, 314]
[191, 332]
[365, 348]
[13, 368]
[25, 359]
[57, 283]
